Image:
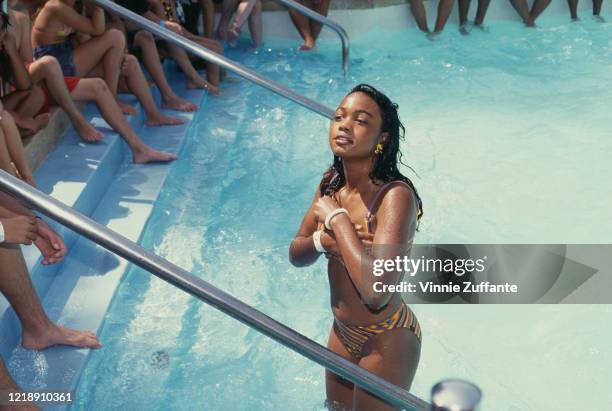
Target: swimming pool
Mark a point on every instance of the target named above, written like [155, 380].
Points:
[511, 137]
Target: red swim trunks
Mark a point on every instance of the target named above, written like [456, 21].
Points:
[71, 83]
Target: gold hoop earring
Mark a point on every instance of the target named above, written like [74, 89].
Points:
[379, 149]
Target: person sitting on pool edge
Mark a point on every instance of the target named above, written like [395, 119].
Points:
[420, 16]
[56, 23]
[364, 202]
[573, 5]
[464, 7]
[242, 10]
[21, 226]
[537, 8]
[309, 29]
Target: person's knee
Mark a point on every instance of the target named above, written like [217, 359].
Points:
[99, 88]
[257, 9]
[7, 117]
[131, 63]
[115, 37]
[143, 37]
[48, 64]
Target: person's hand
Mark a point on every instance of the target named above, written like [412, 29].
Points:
[328, 239]
[20, 230]
[324, 206]
[124, 62]
[175, 27]
[365, 237]
[50, 244]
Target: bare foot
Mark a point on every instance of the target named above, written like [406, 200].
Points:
[161, 119]
[87, 132]
[598, 18]
[307, 45]
[433, 36]
[126, 108]
[148, 155]
[199, 82]
[177, 103]
[30, 126]
[232, 36]
[58, 335]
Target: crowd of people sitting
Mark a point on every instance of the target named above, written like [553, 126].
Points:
[58, 52]
[527, 14]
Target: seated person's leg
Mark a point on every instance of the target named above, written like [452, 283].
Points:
[48, 71]
[101, 55]
[483, 6]
[194, 80]
[538, 7]
[38, 332]
[96, 90]
[208, 17]
[240, 17]
[256, 25]
[26, 105]
[420, 16]
[144, 41]
[321, 7]
[597, 10]
[444, 10]
[228, 8]
[464, 7]
[15, 147]
[522, 9]
[137, 84]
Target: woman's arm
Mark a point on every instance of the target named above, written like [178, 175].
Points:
[21, 78]
[302, 251]
[94, 25]
[394, 229]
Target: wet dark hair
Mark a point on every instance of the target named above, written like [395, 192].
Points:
[384, 165]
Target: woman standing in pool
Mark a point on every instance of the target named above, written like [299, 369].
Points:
[362, 200]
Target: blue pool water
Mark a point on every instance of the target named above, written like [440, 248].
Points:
[510, 133]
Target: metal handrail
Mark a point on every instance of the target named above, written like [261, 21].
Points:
[206, 292]
[326, 22]
[213, 57]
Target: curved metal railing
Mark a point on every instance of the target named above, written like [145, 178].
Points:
[344, 38]
[214, 58]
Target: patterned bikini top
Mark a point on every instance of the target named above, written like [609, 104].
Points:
[370, 217]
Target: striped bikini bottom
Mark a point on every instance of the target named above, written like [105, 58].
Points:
[354, 337]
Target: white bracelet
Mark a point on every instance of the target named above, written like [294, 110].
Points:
[316, 238]
[332, 215]
[1, 233]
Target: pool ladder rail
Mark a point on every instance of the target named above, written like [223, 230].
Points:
[222, 61]
[225, 302]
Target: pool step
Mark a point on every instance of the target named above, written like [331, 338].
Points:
[97, 181]
[76, 174]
